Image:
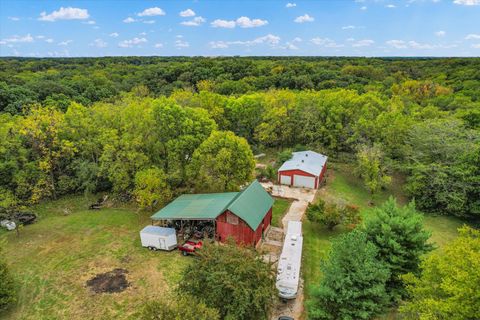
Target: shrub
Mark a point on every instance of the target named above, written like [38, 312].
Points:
[178, 308]
[332, 215]
[7, 288]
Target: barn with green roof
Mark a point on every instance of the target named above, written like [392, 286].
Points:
[243, 215]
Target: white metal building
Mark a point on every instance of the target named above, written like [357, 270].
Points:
[305, 169]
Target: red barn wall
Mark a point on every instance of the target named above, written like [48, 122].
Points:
[298, 172]
[241, 232]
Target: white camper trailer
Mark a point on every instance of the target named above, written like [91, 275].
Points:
[158, 238]
[288, 274]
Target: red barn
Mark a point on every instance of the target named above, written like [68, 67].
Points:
[244, 215]
[304, 169]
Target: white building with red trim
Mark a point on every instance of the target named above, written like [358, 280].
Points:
[305, 169]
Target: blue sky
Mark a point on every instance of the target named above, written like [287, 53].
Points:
[212, 28]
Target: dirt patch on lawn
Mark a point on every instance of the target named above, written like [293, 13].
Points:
[109, 282]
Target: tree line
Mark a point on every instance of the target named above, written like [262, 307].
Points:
[204, 141]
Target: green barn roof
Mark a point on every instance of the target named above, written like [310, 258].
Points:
[196, 206]
[250, 204]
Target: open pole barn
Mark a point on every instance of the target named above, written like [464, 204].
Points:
[244, 216]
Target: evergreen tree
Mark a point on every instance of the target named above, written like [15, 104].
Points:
[398, 234]
[353, 283]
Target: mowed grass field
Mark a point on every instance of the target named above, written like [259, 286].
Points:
[280, 208]
[341, 183]
[52, 259]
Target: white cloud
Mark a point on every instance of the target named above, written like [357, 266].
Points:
[290, 46]
[142, 34]
[181, 44]
[476, 46]
[132, 43]
[363, 43]
[99, 43]
[148, 21]
[325, 42]
[363, 8]
[269, 39]
[304, 18]
[218, 44]
[17, 39]
[246, 22]
[14, 18]
[472, 36]
[391, 6]
[155, 11]
[223, 24]
[297, 39]
[195, 22]
[49, 40]
[467, 2]
[416, 45]
[65, 43]
[242, 22]
[91, 22]
[65, 14]
[440, 33]
[398, 44]
[114, 34]
[348, 27]
[129, 20]
[187, 13]
[158, 45]
[290, 5]
[40, 37]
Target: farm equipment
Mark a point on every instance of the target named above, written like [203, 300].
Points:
[190, 247]
[10, 220]
[99, 204]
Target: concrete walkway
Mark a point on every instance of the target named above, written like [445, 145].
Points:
[301, 198]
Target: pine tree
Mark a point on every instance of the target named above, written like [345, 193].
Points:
[353, 284]
[398, 234]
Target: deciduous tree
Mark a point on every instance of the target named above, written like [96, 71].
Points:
[448, 286]
[223, 162]
[232, 279]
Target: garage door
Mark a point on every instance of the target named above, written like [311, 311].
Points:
[285, 180]
[302, 181]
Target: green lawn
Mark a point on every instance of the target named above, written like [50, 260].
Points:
[53, 258]
[280, 207]
[341, 183]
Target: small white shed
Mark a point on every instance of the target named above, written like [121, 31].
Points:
[158, 238]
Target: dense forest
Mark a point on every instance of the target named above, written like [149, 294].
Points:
[130, 125]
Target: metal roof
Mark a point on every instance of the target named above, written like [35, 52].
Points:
[250, 204]
[308, 161]
[196, 206]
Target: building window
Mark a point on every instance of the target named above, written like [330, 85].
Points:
[232, 219]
